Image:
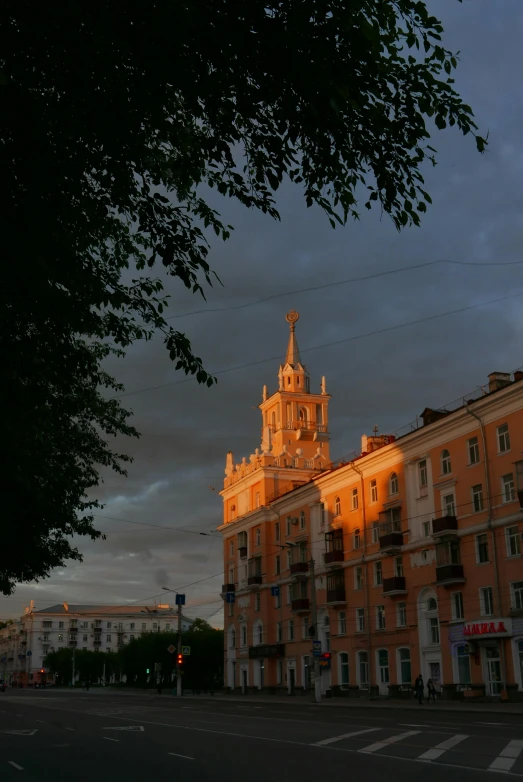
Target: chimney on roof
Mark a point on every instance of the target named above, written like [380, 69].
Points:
[498, 380]
[518, 376]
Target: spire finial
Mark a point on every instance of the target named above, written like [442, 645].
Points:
[293, 356]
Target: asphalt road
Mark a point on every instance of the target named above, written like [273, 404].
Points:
[87, 736]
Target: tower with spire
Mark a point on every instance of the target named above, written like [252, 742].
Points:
[294, 443]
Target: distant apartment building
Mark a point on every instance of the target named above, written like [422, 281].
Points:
[25, 643]
[416, 542]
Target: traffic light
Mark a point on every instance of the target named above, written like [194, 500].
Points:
[42, 670]
[147, 670]
[179, 659]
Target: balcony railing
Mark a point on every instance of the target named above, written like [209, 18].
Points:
[299, 568]
[445, 525]
[310, 426]
[227, 588]
[251, 580]
[97, 642]
[333, 557]
[336, 595]
[73, 643]
[449, 574]
[300, 604]
[391, 541]
[73, 629]
[394, 585]
[243, 552]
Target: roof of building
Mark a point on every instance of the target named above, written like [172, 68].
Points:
[60, 608]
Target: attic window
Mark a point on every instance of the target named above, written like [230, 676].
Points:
[288, 381]
[298, 381]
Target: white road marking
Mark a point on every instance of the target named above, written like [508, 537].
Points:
[70, 729]
[412, 725]
[491, 723]
[40, 721]
[27, 732]
[176, 755]
[343, 736]
[135, 728]
[15, 765]
[392, 740]
[108, 739]
[508, 756]
[439, 749]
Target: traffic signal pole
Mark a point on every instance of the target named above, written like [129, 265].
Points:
[178, 653]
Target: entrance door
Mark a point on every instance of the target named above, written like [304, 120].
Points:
[383, 671]
[244, 682]
[493, 670]
[435, 674]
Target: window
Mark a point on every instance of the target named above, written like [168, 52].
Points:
[457, 605]
[378, 573]
[256, 601]
[404, 666]
[383, 665]
[289, 594]
[243, 635]
[446, 467]
[257, 536]
[302, 519]
[231, 575]
[277, 531]
[477, 498]
[60, 636]
[290, 633]
[131, 626]
[449, 505]
[342, 623]
[360, 620]
[425, 529]
[401, 614]
[83, 639]
[289, 559]
[155, 626]
[507, 488]
[423, 474]
[61, 625]
[131, 638]
[398, 566]
[354, 499]
[337, 507]
[393, 483]
[486, 601]
[373, 491]
[46, 637]
[363, 669]
[277, 600]
[513, 542]
[358, 577]
[259, 634]
[278, 632]
[277, 563]
[473, 447]
[109, 638]
[47, 624]
[232, 638]
[288, 526]
[356, 539]
[322, 514]
[257, 500]
[482, 548]
[434, 629]
[45, 649]
[516, 591]
[375, 531]
[503, 438]
[110, 624]
[380, 617]
[231, 548]
[305, 627]
[344, 668]
[463, 657]
[144, 625]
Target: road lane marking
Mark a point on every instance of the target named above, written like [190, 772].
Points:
[508, 756]
[439, 749]
[392, 740]
[108, 739]
[343, 736]
[134, 728]
[70, 729]
[176, 755]
[15, 765]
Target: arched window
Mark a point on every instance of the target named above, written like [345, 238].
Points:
[363, 670]
[259, 634]
[432, 604]
[393, 483]
[273, 420]
[337, 506]
[404, 669]
[232, 638]
[303, 415]
[344, 668]
[446, 467]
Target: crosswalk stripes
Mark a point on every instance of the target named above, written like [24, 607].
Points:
[391, 740]
[439, 749]
[343, 736]
[508, 756]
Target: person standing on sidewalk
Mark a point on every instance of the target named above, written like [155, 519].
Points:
[419, 687]
[431, 690]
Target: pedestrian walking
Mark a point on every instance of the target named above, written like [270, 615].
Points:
[419, 687]
[431, 690]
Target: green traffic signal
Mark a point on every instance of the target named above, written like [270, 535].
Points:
[147, 670]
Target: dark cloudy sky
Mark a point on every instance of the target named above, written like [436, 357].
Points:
[385, 379]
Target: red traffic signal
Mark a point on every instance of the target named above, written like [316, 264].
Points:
[179, 659]
[42, 670]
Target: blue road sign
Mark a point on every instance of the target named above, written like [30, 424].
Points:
[180, 600]
[316, 648]
[29, 653]
[231, 597]
[275, 591]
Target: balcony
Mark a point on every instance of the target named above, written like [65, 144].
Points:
[97, 642]
[73, 643]
[394, 586]
[299, 568]
[446, 525]
[336, 595]
[449, 574]
[391, 541]
[243, 552]
[252, 580]
[228, 588]
[333, 557]
[300, 605]
[73, 629]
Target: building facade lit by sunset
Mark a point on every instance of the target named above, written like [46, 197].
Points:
[416, 542]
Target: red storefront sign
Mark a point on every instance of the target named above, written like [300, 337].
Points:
[496, 627]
